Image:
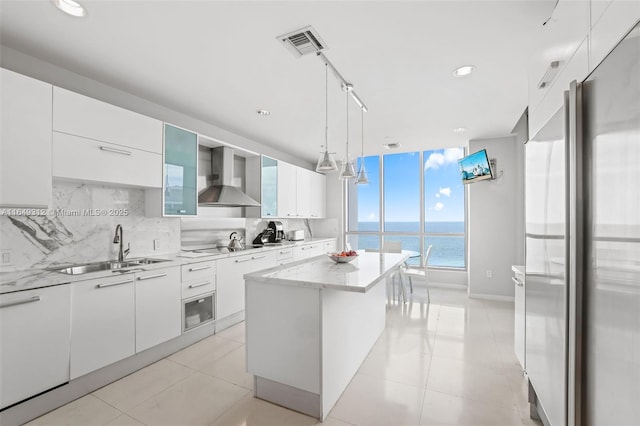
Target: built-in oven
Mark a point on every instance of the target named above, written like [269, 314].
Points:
[198, 310]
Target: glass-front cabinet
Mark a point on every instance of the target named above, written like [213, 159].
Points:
[269, 187]
[180, 172]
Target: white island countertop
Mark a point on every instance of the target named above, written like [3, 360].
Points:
[359, 276]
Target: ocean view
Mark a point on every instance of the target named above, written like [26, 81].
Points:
[447, 251]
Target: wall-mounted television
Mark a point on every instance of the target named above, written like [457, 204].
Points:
[475, 167]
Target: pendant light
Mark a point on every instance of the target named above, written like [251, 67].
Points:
[348, 171]
[362, 179]
[326, 163]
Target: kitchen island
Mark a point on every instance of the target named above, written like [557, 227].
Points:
[310, 324]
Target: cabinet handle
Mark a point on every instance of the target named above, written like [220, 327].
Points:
[200, 284]
[150, 277]
[517, 282]
[251, 258]
[285, 252]
[199, 268]
[20, 302]
[115, 150]
[113, 284]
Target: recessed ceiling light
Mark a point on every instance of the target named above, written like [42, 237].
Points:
[70, 7]
[459, 130]
[392, 145]
[263, 112]
[463, 70]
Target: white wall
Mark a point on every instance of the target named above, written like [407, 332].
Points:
[494, 239]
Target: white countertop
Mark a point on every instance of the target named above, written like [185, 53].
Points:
[37, 278]
[359, 275]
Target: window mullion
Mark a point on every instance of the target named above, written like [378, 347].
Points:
[381, 191]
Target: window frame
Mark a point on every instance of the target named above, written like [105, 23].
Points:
[421, 235]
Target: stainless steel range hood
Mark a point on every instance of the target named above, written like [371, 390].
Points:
[222, 193]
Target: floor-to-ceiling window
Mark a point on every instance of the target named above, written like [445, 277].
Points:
[416, 198]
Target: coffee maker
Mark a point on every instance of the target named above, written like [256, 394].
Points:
[277, 235]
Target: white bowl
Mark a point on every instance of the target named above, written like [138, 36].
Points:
[341, 259]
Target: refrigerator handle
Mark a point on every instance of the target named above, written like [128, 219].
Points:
[575, 158]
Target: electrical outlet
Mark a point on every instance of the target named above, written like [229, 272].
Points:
[489, 273]
[156, 244]
[5, 258]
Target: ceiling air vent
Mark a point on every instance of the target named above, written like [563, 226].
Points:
[303, 41]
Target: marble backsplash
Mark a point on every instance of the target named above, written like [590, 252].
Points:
[80, 228]
[203, 231]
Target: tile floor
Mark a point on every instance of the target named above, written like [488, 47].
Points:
[449, 362]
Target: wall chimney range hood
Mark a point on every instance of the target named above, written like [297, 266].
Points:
[222, 193]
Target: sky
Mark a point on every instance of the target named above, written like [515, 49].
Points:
[444, 191]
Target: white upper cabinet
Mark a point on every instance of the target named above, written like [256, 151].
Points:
[562, 39]
[287, 190]
[579, 35]
[318, 195]
[104, 162]
[301, 192]
[117, 146]
[80, 115]
[25, 141]
[610, 22]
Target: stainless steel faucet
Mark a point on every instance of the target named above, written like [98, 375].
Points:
[119, 239]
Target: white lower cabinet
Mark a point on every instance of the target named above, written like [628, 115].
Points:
[157, 306]
[519, 332]
[330, 246]
[34, 342]
[284, 255]
[306, 251]
[102, 322]
[198, 278]
[230, 281]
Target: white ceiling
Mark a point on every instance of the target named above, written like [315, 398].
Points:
[219, 61]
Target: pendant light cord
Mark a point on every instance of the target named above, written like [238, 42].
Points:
[362, 133]
[326, 107]
[347, 125]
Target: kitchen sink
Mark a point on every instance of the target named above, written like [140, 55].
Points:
[95, 267]
[108, 265]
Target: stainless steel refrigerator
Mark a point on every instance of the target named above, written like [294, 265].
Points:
[582, 207]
